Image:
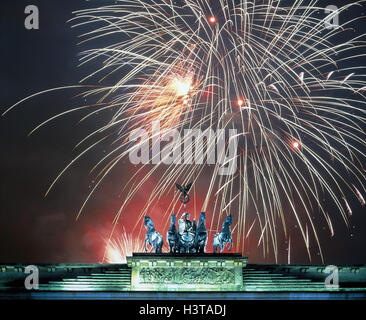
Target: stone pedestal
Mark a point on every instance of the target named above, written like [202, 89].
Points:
[186, 272]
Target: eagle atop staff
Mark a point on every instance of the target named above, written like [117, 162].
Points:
[184, 198]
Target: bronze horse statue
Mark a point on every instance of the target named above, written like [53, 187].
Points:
[152, 236]
[223, 237]
[173, 236]
[201, 234]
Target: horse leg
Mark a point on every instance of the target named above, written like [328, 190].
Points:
[170, 246]
[158, 245]
[146, 243]
[154, 246]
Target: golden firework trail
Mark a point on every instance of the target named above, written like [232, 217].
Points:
[360, 197]
[272, 71]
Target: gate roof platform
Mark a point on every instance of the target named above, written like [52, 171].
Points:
[183, 276]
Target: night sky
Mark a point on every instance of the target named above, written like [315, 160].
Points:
[38, 229]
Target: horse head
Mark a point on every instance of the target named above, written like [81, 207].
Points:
[148, 222]
[227, 222]
[173, 218]
[202, 218]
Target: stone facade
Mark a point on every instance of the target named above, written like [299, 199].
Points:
[167, 272]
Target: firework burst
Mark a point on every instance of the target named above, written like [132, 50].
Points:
[273, 72]
[123, 246]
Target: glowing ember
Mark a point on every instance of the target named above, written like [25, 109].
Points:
[212, 19]
[240, 102]
[296, 145]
